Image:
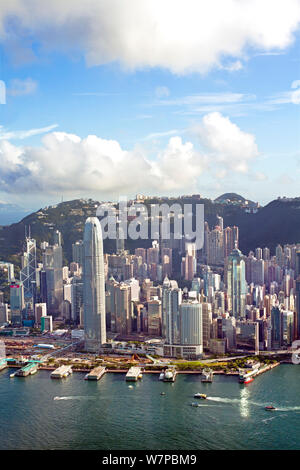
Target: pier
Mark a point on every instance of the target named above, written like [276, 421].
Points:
[96, 373]
[133, 374]
[29, 369]
[61, 372]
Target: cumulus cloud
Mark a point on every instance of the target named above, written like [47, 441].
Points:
[226, 143]
[70, 164]
[67, 163]
[182, 36]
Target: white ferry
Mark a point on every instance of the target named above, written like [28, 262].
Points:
[247, 375]
[170, 375]
[207, 375]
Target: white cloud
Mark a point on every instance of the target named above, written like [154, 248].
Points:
[226, 143]
[20, 87]
[7, 135]
[182, 36]
[67, 163]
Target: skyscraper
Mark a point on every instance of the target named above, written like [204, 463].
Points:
[93, 286]
[236, 284]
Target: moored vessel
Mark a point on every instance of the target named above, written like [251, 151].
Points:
[207, 375]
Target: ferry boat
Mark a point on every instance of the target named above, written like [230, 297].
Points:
[170, 375]
[207, 375]
[246, 376]
[200, 395]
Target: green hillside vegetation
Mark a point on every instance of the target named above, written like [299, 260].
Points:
[278, 222]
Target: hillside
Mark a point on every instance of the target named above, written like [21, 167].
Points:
[278, 222]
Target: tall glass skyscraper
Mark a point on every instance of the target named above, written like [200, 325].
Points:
[236, 284]
[93, 286]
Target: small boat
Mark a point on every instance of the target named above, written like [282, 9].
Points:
[12, 376]
[162, 393]
[196, 405]
[270, 408]
[161, 376]
[200, 395]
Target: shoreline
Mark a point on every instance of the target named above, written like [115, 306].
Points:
[188, 372]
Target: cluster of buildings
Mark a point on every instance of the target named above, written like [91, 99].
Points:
[214, 300]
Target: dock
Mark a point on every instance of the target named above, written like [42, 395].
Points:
[133, 374]
[61, 372]
[29, 369]
[96, 373]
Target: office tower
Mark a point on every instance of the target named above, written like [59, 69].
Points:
[52, 261]
[287, 327]
[57, 238]
[154, 317]
[17, 303]
[236, 284]
[276, 327]
[257, 271]
[3, 310]
[120, 239]
[191, 331]
[153, 253]
[77, 252]
[215, 247]
[40, 310]
[77, 300]
[206, 243]
[28, 271]
[122, 297]
[279, 255]
[206, 323]
[171, 299]
[247, 335]
[220, 222]
[229, 332]
[266, 254]
[46, 323]
[93, 286]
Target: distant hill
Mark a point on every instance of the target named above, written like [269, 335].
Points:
[233, 198]
[278, 222]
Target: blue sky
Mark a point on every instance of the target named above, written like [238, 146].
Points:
[210, 107]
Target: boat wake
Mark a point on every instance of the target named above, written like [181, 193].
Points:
[74, 398]
[224, 400]
[233, 401]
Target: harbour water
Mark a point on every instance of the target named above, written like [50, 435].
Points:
[40, 413]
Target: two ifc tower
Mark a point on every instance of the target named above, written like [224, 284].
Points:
[93, 286]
